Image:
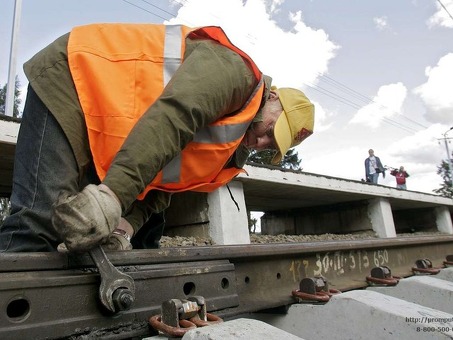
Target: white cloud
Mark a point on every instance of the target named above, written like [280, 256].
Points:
[420, 148]
[387, 103]
[381, 23]
[291, 58]
[442, 17]
[436, 93]
[342, 163]
[420, 154]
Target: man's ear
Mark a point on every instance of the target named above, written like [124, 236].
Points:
[273, 95]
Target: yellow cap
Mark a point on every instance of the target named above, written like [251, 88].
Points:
[295, 123]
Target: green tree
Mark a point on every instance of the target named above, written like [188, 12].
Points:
[444, 171]
[17, 100]
[290, 160]
[252, 222]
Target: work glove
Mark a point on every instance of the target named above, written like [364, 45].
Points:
[86, 219]
[115, 242]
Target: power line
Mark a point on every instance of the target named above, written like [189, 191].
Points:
[172, 15]
[159, 8]
[365, 99]
[357, 106]
[143, 9]
[445, 8]
[345, 88]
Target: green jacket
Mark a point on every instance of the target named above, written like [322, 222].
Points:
[211, 82]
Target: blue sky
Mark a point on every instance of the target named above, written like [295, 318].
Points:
[379, 72]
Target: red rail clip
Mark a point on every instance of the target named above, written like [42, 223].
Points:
[382, 276]
[174, 331]
[425, 266]
[448, 261]
[180, 316]
[314, 290]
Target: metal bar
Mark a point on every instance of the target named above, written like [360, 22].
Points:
[49, 261]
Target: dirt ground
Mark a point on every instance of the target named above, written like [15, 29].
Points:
[262, 239]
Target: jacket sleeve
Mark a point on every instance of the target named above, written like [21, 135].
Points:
[379, 164]
[212, 81]
[141, 210]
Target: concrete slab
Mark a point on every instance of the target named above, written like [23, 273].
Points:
[246, 329]
[239, 329]
[380, 213]
[443, 220]
[272, 188]
[425, 290]
[363, 314]
[228, 223]
[9, 130]
[446, 274]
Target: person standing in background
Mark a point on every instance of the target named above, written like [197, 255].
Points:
[373, 167]
[400, 176]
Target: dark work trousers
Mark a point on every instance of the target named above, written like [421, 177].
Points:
[44, 166]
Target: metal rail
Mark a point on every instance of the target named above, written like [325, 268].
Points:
[52, 295]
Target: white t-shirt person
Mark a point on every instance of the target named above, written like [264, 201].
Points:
[373, 167]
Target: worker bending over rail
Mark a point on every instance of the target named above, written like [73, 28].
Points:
[119, 116]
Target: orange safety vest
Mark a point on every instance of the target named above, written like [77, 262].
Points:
[113, 98]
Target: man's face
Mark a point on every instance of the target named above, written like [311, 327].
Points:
[371, 152]
[260, 135]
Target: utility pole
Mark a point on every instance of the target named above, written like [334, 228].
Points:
[450, 167]
[11, 86]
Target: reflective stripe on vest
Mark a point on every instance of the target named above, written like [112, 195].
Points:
[207, 135]
[172, 51]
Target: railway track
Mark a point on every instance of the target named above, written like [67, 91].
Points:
[52, 295]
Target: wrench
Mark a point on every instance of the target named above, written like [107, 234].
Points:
[117, 289]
